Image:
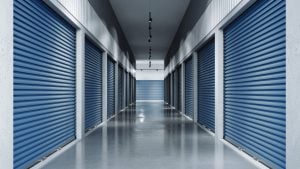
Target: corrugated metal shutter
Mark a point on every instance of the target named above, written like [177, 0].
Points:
[126, 91]
[120, 88]
[179, 88]
[44, 82]
[170, 87]
[189, 110]
[150, 90]
[93, 85]
[176, 89]
[110, 87]
[167, 88]
[255, 82]
[134, 89]
[166, 91]
[206, 85]
[130, 89]
[173, 89]
[133, 95]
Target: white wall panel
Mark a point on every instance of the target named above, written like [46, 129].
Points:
[292, 84]
[6, 83]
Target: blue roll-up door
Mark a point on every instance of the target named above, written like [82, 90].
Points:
[150, 90]
[167, 89]
[130, 89]
[134, 96]
[179, 88]
[120, 88]
[44, 82]
[129, 83]
[132, 100]
[133, 90]
[206, 85]
[110, 87]
[126, 89]
[175, 89]
[93, 85]
[255, 82]
[171, 91]
[189, 110]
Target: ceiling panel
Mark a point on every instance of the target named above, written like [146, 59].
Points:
[133, 18]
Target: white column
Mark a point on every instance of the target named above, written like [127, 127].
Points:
[195, 86]
[183, 87]
[292, 84]
[219, 87]
[116, 88]
[80, 68]
[6, 83]
[104, 85]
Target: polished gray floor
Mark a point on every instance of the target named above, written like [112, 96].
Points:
[149, 136]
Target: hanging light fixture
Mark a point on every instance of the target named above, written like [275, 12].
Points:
[150, 20]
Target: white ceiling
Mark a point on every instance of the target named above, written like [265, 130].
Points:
[133, 18]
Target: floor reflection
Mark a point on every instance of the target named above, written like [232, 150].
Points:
[149, 135]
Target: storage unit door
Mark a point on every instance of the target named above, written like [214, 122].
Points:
[255, 82]
[44, 82]
[93, 85]
[150, 90]
[189, 110]
[126, 89]
[206, 85]
[175, 89]
[132, 100]
[127, 92]
[165, 89]
[130, 89]
[110, 87]
[179, 89]
[120, 88]
[134, 89]
[168, 89]
[171, 89]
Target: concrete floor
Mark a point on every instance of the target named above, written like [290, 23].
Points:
[149, 136]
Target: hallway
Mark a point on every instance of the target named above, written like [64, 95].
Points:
[149, 84]
[150, 136]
